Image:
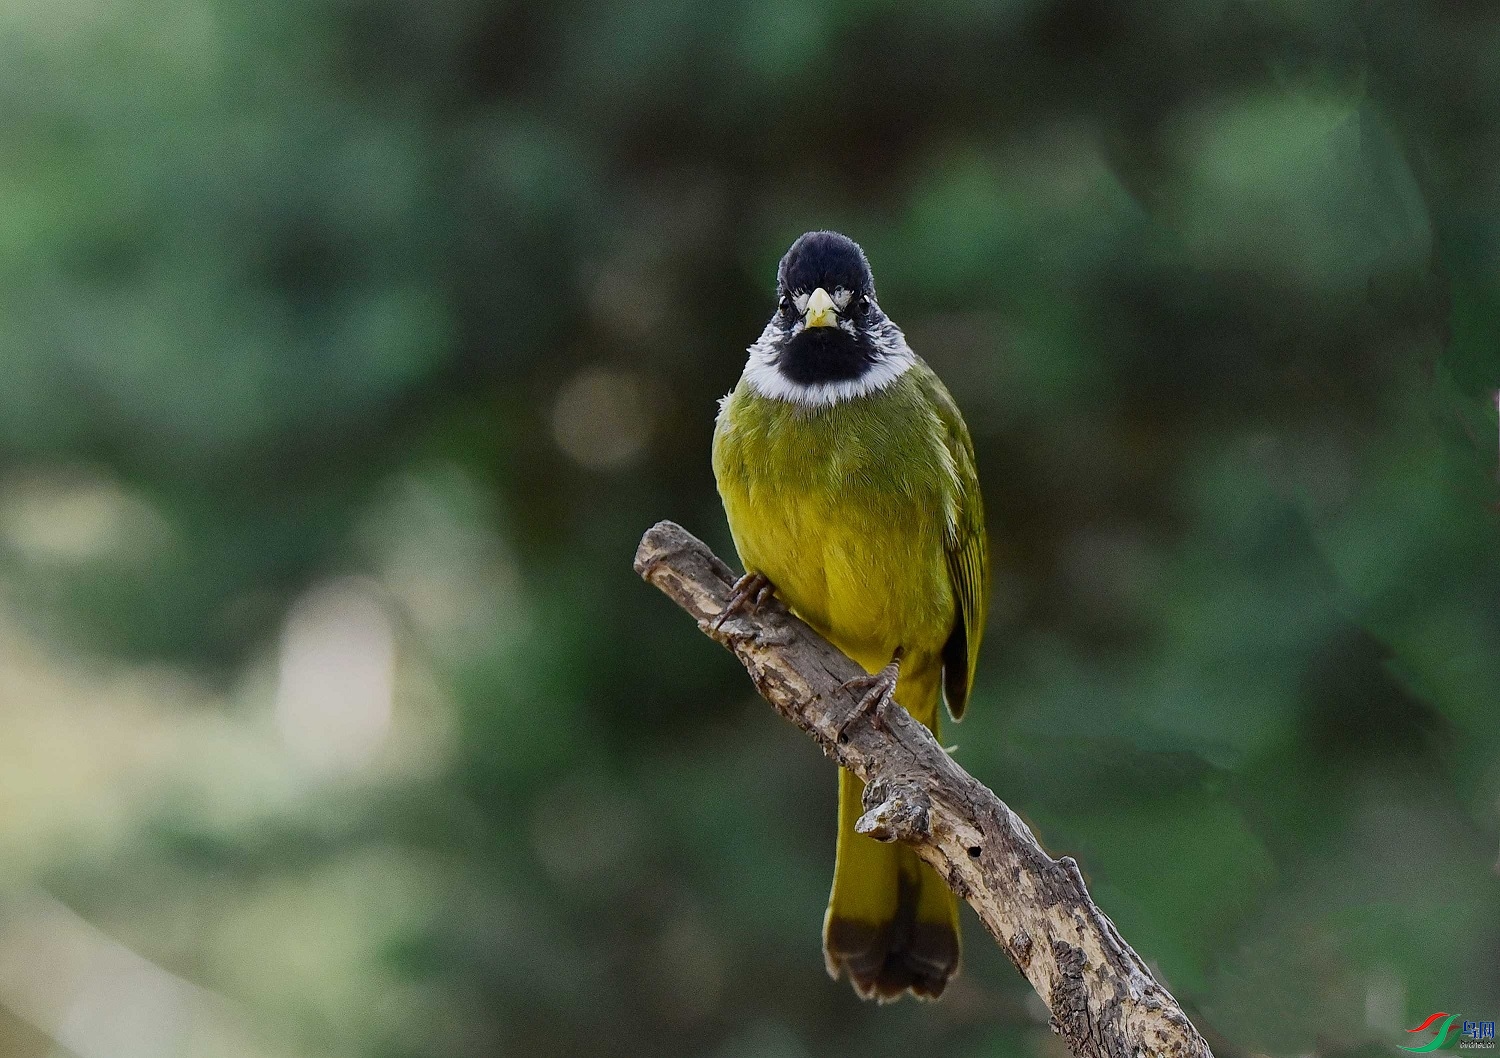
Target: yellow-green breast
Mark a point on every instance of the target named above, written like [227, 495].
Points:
[850, 509]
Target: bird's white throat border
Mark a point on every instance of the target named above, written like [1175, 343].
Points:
[766, 379]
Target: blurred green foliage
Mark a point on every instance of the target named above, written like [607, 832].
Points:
[348, 348]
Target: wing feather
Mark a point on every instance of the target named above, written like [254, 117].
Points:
[967, 550]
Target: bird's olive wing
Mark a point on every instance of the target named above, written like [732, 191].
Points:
[968, 556]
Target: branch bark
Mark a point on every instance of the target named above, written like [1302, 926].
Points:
[1104, 1001]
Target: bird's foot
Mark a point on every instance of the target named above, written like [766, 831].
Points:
[879, 689]
[749, 593]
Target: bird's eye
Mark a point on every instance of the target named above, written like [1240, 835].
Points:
[786, 305]
[861, 305]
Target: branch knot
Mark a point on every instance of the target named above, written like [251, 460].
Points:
[896, 812]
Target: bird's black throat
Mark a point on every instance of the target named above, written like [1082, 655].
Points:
[824, 354]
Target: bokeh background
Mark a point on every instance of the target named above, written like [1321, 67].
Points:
[347, 348]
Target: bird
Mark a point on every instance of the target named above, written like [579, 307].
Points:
[848, 480]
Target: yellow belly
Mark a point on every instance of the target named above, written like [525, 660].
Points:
[870, 581]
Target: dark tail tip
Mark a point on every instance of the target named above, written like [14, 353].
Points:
[889, 959]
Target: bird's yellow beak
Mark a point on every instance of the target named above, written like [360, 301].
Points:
[820, 310]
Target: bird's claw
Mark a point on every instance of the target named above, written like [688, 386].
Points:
[879, 690]
[749, 593]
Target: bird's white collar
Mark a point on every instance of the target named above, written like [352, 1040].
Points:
[766, 379]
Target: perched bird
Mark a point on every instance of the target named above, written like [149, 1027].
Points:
[848, 478]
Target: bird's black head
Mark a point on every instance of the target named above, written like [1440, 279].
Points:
[824, 259]
[827, 330]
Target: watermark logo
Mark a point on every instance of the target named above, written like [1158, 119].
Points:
[1454, 1033]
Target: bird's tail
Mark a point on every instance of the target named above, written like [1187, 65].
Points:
[892, 923]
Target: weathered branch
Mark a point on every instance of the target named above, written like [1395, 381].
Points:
[1104, 1001]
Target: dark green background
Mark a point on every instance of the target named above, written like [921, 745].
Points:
[346, 349]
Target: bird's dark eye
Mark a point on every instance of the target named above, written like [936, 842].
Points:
[786, 305]
[861, 305]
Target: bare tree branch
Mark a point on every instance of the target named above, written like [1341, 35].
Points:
[1104, 1001]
